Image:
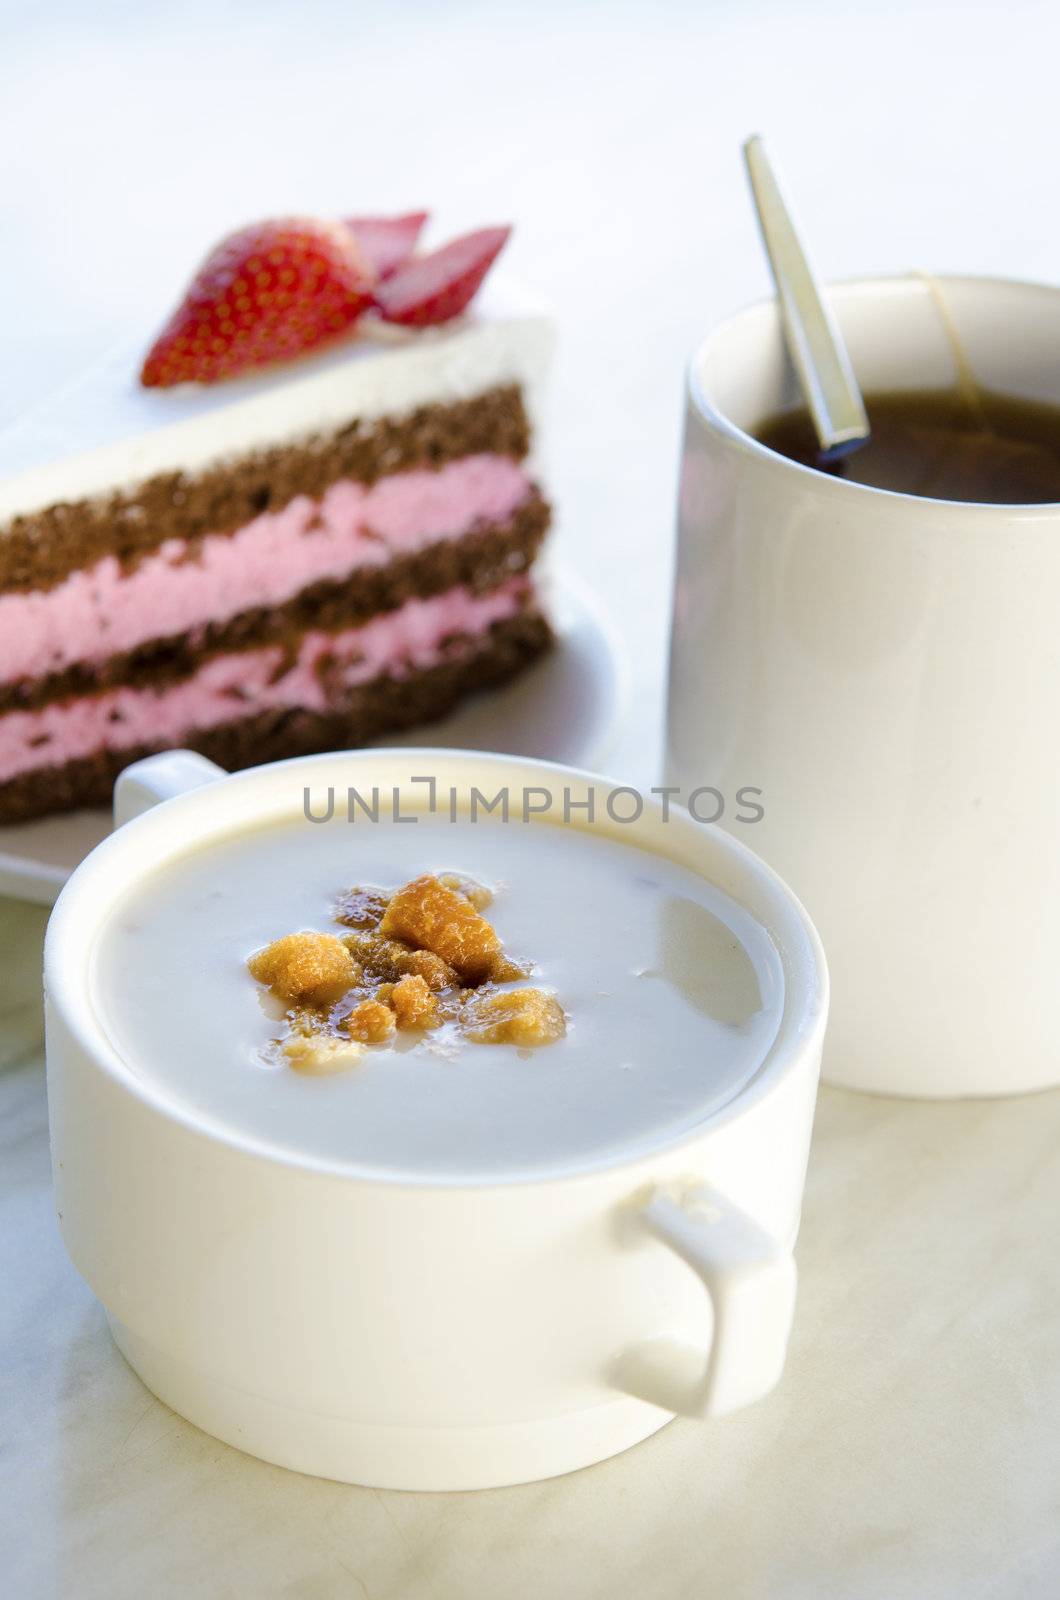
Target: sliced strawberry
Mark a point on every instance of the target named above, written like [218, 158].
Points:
[433, 288]
[387, 242]
[269, 292]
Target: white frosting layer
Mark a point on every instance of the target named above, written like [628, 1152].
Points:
[104, 432]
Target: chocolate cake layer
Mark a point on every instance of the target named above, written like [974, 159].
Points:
[480, 560]
[37, 551]
[372, 709]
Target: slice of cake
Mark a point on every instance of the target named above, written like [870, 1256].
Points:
[301, 558]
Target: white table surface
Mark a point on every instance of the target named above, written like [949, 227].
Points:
[913, 1449]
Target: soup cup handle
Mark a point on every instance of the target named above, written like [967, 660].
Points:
[160, 777]
[750, 1278]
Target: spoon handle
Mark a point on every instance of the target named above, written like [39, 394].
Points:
[814, 340]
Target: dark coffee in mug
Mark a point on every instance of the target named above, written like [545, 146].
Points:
[942, 445]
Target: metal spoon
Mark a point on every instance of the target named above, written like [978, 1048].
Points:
[815, 343]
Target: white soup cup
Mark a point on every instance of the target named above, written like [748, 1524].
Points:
[436, 1334]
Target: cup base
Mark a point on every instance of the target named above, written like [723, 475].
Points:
[385, 1457]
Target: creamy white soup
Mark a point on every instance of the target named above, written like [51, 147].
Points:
[672, 995]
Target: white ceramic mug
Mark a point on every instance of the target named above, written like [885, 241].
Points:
[887, 671]
[434, 1335]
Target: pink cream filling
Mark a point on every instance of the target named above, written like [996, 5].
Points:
[103, 611]
[229, 688]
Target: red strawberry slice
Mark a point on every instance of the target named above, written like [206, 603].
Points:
[433, 288]
[269, 292]
[387, 242]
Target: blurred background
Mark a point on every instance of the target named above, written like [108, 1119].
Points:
[919, 133]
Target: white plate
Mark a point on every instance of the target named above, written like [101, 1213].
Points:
[566, 709]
